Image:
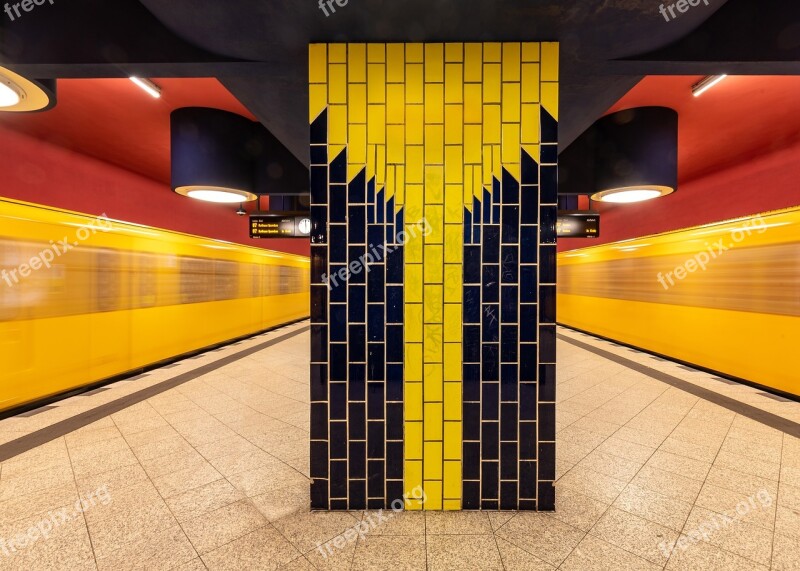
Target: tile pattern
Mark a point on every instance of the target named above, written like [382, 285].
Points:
[455, 145]
[202, 477]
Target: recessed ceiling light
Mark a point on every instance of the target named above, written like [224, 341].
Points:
[706, 83]
[150, 87]
[19, 94]
[216, 194]
[629, 195]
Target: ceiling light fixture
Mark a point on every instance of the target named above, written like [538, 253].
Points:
[21, 95]
[150, 87]
[706, 83]
[628, 195]
[218, 194]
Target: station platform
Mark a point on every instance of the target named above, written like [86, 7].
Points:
[204, 465]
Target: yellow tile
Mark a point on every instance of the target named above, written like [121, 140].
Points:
[434, 144]
[376, 53]
[413, 362]
[473, 62]
[357, 103]
[433, 493]
[473, 103]
[415, 52]
[388, 191]
[488, 169]
[357, 144]
[395, 63]
[530, 51]
[400, 175]
[533, 152]
[453, 283]
[472, 144]
[337, 83]
[395, 145]
[317, 63]
[454, 164]
[492, 51]
[453, 324]
[491, 125]
[530, 130]
[353, 169]
[550, 98]
[491, 83]
[415, 85]
[469, 171]
[434, 429]
[317, 99]
[380, 165]
[434, 310]
[511, 61]
[413, 439]
[530, 83]
[433, 351]
[453, 52]
[415, 124]
[337, 125]
[452, 479]
[453, 124]
[371, 165]
[413, 406]
[413, 292]
[453, 401]
[434, 63]
[434, 214]
[376, 124]
[434, 103]
[511, 143]
[451, 505]
[454, 83]
[549, 61]
[376, 75]
[453, 208]
[434, 265]
[412, 477]
[412, 251]
[433, 383]
[357, 63]
[497, 161]
[511, 103]
[337, 53]
[395, 103]
[434, 184]
[414, 200]
[415, 164]
[515, 170]
[452, 355]
[414, 331]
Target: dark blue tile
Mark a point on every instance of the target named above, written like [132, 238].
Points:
[357, 304]
[376, 362]
[491, 244]
[357, 343]
[319, 459]
[508, 343]
[394, 460]
[510, 191]
[508, 421]
[376, 401]
[338, 362]
[547, 273]
[547, 304]
[547, 341]
[509, 382]
[380, 207]
[496, 214]
[394, 304]
[338, 403]
[319, 129]
[337, 206]
[548, 185]
[490, 505]
[394, 343]
[357, 382]
[319, 494]
[471, 492]
[472, 460]
[529, 244]
[527, 363]
[376, 328]
[371, 197]
[491, 362]
[376, 439]
[529, 205]
[394, 267]
[547, 421]
[472, 343]
[472, 264]
[472, 304]
[490, 402]
[358, 494]
[548, 216]
[528, 407]
[491, 324]
[338, 243]
[357, 423]
[358, 188]
[319, 383]
[527, 440]
[357, 460]
[394, 421]
[490, 482]
[549, 154]
[394, 383]
[376, 284]
[547, 382]
[472, 425]
[546, 500]
[394, 492]
[471, 389]
[375, 237]
[487, 206]
[510, 227]
[509, 304]
[319, 265]
[376, 481]
[338, 322]
[319, 421]
[339, 478]
[527, 479]
[529, 169]
[548, 126]
[319, 343]
[491, 284]
[338, 168]
[528, 292]
[547, 461]
[319, 304]
[509, 466]
[319, 155]
[528, 323]
[508, 495]
[547, 256]
[490, 441]
[338, 440]
[509, 267]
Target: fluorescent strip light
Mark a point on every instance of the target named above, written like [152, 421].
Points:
[148, 86]
[706, 83]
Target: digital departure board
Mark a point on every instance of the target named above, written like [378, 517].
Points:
[280, 225]
[578, 224]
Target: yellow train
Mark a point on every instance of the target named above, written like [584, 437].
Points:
[85, 299]
[724, 297]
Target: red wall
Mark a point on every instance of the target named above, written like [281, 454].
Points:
[768, 182]
[40, 172]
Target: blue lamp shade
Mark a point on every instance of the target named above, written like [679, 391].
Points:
[213, 155]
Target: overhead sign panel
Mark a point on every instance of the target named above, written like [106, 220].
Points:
[280, 225]
[578, 224]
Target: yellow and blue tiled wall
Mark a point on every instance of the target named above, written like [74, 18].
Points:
[433, 368]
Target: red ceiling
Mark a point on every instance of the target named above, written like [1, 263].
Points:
[114, 120]
[736, 120]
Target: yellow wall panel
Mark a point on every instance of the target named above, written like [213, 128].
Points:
[511, 63]
[434, 63]
[357, 103]
[492, 92]
[434, 144]
[473, 103]
[434, 103]
[511, 102]
[376, 53]
[454, 83]
[395, 63]
[530, 51]
[530, 83]
[415, 83]
[376, 86]
[337, 53]
[317, 63]
[337, 84]
[454, 52]
[413, 437]
[453, 124]
[415, 125]
[357, 63]
[395, 103]
[549, 61]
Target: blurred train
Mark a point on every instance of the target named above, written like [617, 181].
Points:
[724, 297]
[86, 299]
